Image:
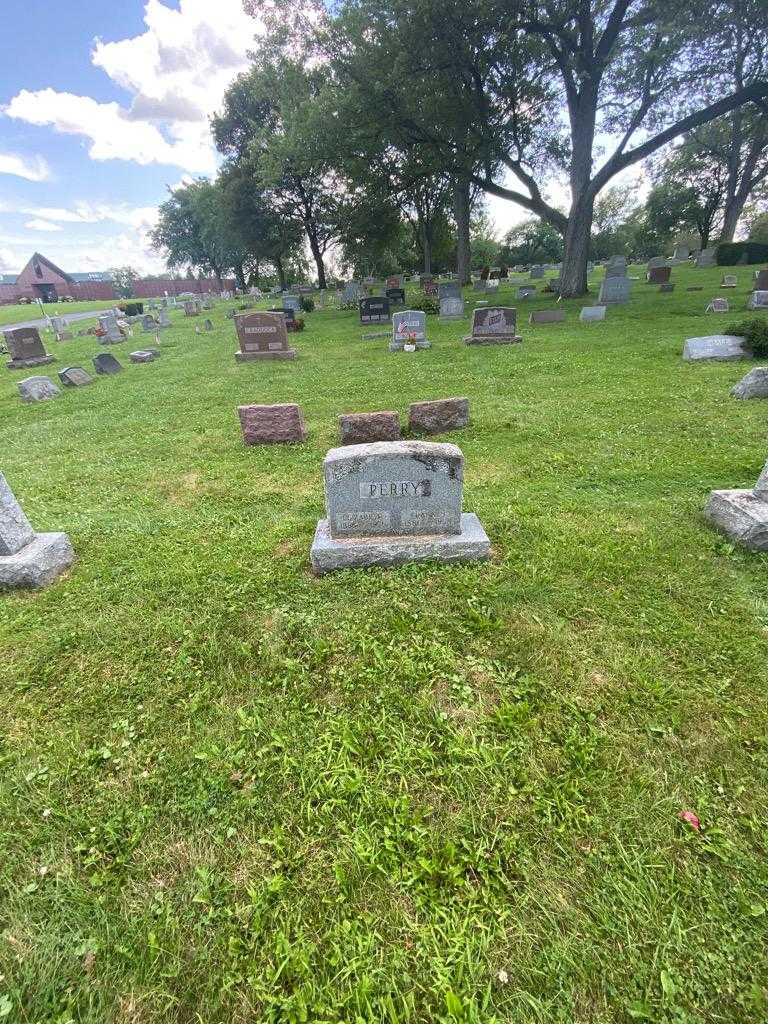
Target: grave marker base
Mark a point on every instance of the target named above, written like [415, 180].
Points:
[254, 357]
[741, 516]
[38, 563]
[28, 364]
[498, 339]
[329, 554]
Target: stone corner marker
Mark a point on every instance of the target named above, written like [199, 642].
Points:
[37, 389]
[28, 559]
[439, 416]
[742, 515]
[714, 346]
[389, 503]
[262, 336]
[754, 385]
[272, 424]
[367, 427]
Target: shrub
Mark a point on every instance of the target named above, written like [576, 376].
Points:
[729, 254]
[756, 333]
[307, 304]
[425, 304]
[348, 306]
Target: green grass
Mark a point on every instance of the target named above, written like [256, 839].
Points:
[233, 792]
[19, 314]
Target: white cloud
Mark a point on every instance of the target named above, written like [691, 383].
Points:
[42, 225]
[32, 168]
[176, 73]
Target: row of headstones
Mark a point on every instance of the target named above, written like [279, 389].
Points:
[41, 389]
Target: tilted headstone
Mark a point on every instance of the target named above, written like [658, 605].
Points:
[374, 310]
[110, 330]
[37, 389]
[758, 300]
[723, 347]
[494, 325]
[106, 363]
[754, 385]
[592, 314]
[271, 424]
[547, 316]
[707, 258]
[614, 290]
[74, 377]
[262, 336]
[452, 307]
[741, 514]
[26, 349]
[409, 328]
[28, 559]
[394, 502]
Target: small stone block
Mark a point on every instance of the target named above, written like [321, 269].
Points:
[38, 564]
[365, 427]
[272, 424]
[37, 389]
[439, 416]
[143, 356]
[742, 515]
[547, 316]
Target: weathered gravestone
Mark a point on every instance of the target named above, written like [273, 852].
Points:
[681, 254]
[26, 349]
[106, 363]
[396, 281]
[438, 416]
[37, 389]
[536, 273]
[758, 300]
[74, 377]
[729, 281]
[165, 320]
[367, 427]
[144, 355]
[526, 291]
[262, 336]
[208, 325]
[614, 290]
[148, 324]
[494, 325]
[192, 308]
[66, 336]
[616, 267]
[754, 385]
[28, 559]
[271, 424]
[717, 306]
[667, 289]
[390, 503]
[656, 261]
[452, 308]
[110, 330]
[706, 258]
[722, 347]
[351, 293]
[375, 310]
[761, 281]
[742, 514]
[292, 302]
[449, 289]
[396, 296]
[409, 328]
[592, 314]
[659, 275]
[547, 316]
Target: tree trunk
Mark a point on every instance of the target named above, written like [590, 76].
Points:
[318, 258]
[426, 244]
[573, 279]
[463, 245]
[280, 272]
[240, 277]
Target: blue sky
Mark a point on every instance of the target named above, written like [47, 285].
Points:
[103, 106]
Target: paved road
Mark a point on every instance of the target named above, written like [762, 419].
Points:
[70, 318]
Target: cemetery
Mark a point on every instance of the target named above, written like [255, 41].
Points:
[384, 551]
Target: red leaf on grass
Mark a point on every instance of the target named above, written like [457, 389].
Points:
[690, 819]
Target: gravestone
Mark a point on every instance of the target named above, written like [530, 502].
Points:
[480, 286]
[706, 258]
[106, 363]
[452, 308]
[695, 288]
[390, 503]
[66, 336]
[110, 330]
[659, 275]
[37, 389]
[717, 306]
[681, 254]
[614, 290]
[143, 356]
[272, 424]
[729, 281]
[74, 377]
[741, 514]
[148, 323]
[439, 416]
[26, 349]
[58, 323]
[374, 310]
[758, 300]
[656, 261]
[754, 385]
[396, 281]
[526, 291]
[165, 320]
[208, 325]
[616, 267]
[449, 289]
[262, 336]
[351, 293]
[667, 289]
[191, 308]
[409, 328]
[536, 273]
[396, 296]
[494, 325]
[28, 559]
[761, 281]
[321, 297]
[722, 347]
[547, 316]
[424, 280]
[292, 302]
[592, 314]
[430, 288]
[367, 427]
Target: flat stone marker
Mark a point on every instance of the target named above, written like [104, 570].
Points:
[718, 306]
[262, 336]
[143, 356]
[494, 325]
[666, 289]
[659, 275]
[366, 427]
[729, 281]
[758, 300]
[614, 290]
[375, 310]
[439, 416]
[26, 349]
[106, 363]
[526, 291]
[452, 307]
[394, 502]
[742, 515]
[592, 314]
[28, 559]
[272, 424]
[547, 316]
[74, 377]
[714, 346]
[409, 328]
[754, 385]
[37, 389]
[695, 288]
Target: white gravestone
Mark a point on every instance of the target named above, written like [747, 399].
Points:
[409, 328]
[714, 346]
[28, 559]
[758, 300]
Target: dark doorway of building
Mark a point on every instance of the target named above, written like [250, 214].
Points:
[47, 292]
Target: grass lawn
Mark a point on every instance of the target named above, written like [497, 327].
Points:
[232, 792]
[20, 314]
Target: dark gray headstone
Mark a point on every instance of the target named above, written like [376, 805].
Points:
[106, 363]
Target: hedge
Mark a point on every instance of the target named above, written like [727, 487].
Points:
[729, 254]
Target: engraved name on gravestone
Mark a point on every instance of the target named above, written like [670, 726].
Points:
[614, 290]
[26, 349]
[722, 347]
[374, 311]
[409, 328]
[494, 325]
[262, 336]
[452, 307]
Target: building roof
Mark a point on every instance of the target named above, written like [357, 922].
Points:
[51, 266]
[98, 276]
